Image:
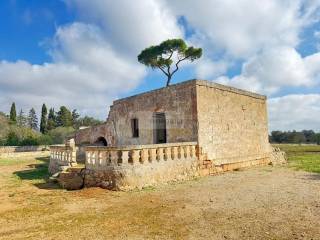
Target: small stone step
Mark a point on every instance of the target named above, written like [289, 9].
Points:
[54, 177]
[71, 179]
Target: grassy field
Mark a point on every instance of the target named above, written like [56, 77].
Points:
[258, 203]
[302, 157]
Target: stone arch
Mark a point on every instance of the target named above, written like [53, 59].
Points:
[101, 141]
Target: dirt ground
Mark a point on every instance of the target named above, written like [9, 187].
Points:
[259, 203]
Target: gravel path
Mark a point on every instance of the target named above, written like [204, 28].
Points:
[259, 203]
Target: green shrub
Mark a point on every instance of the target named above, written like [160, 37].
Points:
[12, 139]
[45, 140]
[29, 141]
[59, 134]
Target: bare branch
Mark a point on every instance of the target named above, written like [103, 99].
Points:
[170, 55]
[177, 64]
[163, 71]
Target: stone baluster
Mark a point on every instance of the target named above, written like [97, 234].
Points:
[74, 156]
[62, 157]
[107, 157]
[114, 157]
[135, 155]
[125, 157]
[174, 153]
[160, 154]
[167, 153]
[186, 152]
[67, 158]
[88, 157]
[193, 151]
[104, 156]
[100, 158]
[93, 157]
[71, 157]
[152, 155]
[144, 156]
[67, 152]
[180, 152]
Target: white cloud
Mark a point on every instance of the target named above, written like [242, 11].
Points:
[277, 68]
[206, 68]
[86, 73]
[94, 60]
[130, 26]
[244, 27]
[294, 112]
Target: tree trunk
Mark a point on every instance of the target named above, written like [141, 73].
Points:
[168, 80]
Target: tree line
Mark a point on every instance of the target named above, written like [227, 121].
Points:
[54, 126]
[304, 136]
[50, 120]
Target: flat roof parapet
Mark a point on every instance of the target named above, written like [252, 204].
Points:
[198, 82]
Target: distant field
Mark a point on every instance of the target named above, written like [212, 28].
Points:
[302, 157]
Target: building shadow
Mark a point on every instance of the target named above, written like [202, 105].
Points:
[312, 176]
[38, 173]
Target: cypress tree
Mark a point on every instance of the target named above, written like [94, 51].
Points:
[21, 119]
[44, 120]
[13, 114]
[32, 119]
[51, 120]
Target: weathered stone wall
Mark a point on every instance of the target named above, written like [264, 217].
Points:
[178, 102]
[25, 154]
[232, 124]
[23, 151]
[11, 149]
[140, 166]
[92, 134]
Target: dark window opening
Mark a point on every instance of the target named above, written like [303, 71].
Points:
[135, 127]
[160, 128]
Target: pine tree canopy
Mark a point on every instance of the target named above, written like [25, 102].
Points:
[168, 53]
[64, 117]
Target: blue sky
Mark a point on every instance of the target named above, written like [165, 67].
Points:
[83, 53]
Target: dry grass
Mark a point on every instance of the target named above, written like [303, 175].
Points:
[260, 203]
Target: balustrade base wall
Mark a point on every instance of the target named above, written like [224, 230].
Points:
[141, 175]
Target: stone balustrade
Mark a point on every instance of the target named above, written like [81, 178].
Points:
[100, 157]
[61, 156]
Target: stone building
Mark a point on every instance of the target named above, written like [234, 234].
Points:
[226, 127]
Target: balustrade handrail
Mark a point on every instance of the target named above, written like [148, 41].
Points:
[140, 147]
[60, 147]
[111, 156]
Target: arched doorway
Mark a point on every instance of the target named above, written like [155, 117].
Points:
[101, 141]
